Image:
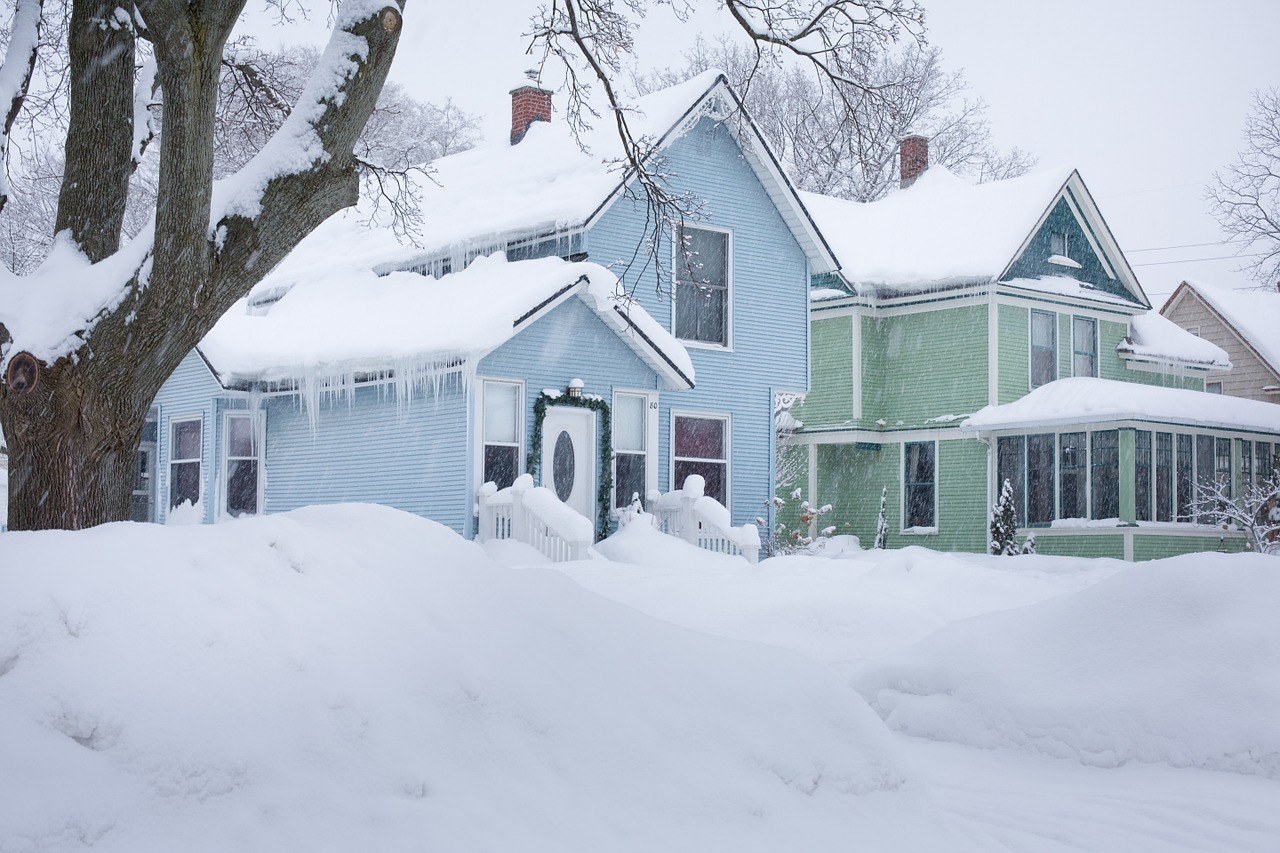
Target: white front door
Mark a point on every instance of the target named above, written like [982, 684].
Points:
[569, 457]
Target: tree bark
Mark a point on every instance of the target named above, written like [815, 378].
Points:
[73, 438]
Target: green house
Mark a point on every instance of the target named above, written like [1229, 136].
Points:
[982, 333]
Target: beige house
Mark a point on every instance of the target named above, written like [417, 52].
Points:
[1245, 323]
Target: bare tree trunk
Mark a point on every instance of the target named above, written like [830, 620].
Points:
[74, 435]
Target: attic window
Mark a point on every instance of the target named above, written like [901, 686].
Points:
[1060, 250]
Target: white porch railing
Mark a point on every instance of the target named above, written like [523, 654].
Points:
[703, 521]
[535, 516]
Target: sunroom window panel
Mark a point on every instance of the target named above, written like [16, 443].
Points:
[1105, 474]
[1073, 490]
[919, 483]
[1222, 465]
[1262, 461]
[1164, 476]
[1011, 469]
[1246, 463]
[1142, 475]
[1186, 477]
[1040, 472]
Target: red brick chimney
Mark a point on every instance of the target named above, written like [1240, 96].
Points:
[528, 104]
[913, 158]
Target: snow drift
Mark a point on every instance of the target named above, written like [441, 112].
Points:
[1176, 661]
[352, 677]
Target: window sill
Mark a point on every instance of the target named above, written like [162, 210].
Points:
[1063, 261]
[703, 345]
[919, 531]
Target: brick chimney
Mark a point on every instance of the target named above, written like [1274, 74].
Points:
[528, 104]
[913, 158]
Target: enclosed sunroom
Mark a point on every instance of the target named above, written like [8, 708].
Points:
[1114, 469]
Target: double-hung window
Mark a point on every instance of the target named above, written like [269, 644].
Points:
[186, 440]
[1185, 477]
[919, 484]
[702, 448]
[1040, 477]
[1084, 346]
[242, 464]
[1044, 348]
[1060, 244]
[630, 448]
[501, 439]
[702, 286]
[1142, 475]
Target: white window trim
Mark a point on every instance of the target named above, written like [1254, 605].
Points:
[727, 346]
[903, 530]
[478, 454]
[1097, 345]
[727, 417]
[170, 460]
[651, 411]
[260, 435]
[1031, 347]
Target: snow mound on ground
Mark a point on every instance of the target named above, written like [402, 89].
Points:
[352, 677]
[842, 612]
[1176, 661]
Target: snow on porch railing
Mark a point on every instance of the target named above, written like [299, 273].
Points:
[535, 516]
[703, 521]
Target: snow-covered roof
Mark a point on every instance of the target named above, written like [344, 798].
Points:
[1253, 314]
[1155, 338]
[347, 321]
[1078, 401]
[942, 230]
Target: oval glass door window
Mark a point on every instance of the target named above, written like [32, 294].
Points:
[562, 466]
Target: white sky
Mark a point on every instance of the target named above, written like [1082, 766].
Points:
[1145, 97]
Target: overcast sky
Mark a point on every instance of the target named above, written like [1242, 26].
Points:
[1145, 97]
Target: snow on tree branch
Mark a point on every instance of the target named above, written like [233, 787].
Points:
[15, 77]
[1255, 510]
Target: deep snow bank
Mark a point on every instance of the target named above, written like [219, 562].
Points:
[351, 677]
[1175, 661]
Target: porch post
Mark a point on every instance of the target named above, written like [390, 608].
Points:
[1128, 477]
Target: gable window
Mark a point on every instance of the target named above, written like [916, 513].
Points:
[1060, 244]
[241, 474]
[919, 484]
[1084, 346]
[1213, 387]
[186, 438]
[630, 448]
[701, 447]
[501, 439]
[702, 286]
[1073, 489]
[1044, 348]
[1104, 464]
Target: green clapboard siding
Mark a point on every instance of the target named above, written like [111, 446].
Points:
[830, 403]
[793, 473]
[1096, 545]
[850, 479]
[926, 365]
[1015, 353]
[962, 497]
[1155, 547]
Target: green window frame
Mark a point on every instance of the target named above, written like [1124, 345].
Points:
[1084, 346]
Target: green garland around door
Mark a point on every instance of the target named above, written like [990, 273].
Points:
[595, 404]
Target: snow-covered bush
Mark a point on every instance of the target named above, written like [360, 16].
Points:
[1029, 546]
[1256, 511]
[1004, 524]
[780, 538]
[882, 521]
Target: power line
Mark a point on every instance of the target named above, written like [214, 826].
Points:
[1153, 190]
[1197, 260]
[1180, 246]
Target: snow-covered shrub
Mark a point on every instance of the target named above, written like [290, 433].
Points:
[1256, 511]
[1004, 524]
[1029, 546]
[781, 538]
[882, 522]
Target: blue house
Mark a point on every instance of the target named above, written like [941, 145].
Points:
[542, 325]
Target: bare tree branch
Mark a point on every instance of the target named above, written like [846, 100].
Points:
[1245, 197]
[15, 76]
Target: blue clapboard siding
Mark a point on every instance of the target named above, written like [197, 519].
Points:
[570, 341]
[769, 291]
[189, 392]
[367, 447]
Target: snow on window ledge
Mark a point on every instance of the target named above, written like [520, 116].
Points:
[920, 531]
[1064, 261]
